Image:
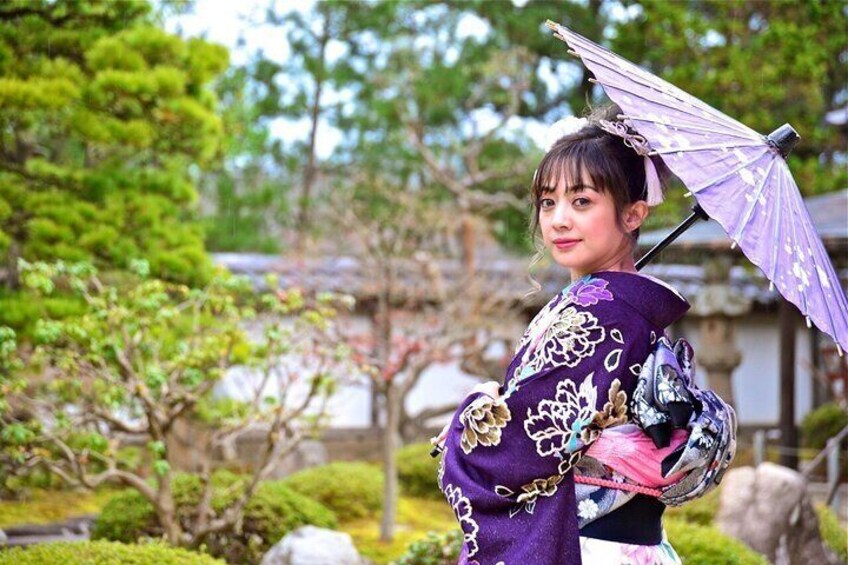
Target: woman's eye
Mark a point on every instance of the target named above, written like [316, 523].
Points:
[581, 202]
[546, 203]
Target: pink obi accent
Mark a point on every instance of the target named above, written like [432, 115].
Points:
[629, 451]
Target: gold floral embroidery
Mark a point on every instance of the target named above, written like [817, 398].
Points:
[613, 413]
[539, 487]
[483, 421]
[532, 491]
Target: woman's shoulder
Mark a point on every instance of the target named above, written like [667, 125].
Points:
[649, 297]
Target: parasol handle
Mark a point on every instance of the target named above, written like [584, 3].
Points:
[697, 214]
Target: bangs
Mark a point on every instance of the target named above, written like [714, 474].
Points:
[570, 162]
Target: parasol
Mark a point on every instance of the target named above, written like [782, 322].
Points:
[738, 177]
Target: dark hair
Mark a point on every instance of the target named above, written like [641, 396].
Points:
[611, 165]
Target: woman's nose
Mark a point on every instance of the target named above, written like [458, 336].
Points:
[562, 216]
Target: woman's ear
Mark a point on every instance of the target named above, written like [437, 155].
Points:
[635, 214]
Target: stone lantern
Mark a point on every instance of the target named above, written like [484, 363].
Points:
[718, 305]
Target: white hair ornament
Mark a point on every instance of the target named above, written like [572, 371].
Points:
[563, 127]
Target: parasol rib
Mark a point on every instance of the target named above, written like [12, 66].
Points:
[711, 147]
[812, 245]
[753, 204]
[672, 90]
[729, 173]
[677, 126]
[748, 133]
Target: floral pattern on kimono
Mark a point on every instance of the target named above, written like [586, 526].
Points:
[509, 462]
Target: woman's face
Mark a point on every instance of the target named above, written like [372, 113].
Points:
[580, 227]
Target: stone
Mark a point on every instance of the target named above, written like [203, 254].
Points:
[768, 509]
[310, 545]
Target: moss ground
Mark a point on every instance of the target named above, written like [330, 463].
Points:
[44, 506]
[415, 517]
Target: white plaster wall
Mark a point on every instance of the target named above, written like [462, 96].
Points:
[756, 382]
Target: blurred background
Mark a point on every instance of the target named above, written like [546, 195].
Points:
[380, 152]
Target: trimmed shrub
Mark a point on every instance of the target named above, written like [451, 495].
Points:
[696, 545]
[834, 535]
[823, 423]
[435, 549]
[350, 489]
[272, 512]
[701, 545]
[417, 471]
[103, 553]
[700, 511]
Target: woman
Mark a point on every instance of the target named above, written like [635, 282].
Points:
[510, 454]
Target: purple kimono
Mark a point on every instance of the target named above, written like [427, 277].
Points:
[506, 469]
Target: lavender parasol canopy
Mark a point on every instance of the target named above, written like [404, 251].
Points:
[738, 177]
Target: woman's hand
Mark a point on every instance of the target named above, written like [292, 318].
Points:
[491, 388]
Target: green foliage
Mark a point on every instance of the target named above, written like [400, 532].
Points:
[702, 545]
[700, 512]
[417, 471]
[21, 312]
[435, 549]
[271, 513]
[350, 489]
[103, 553]
[107, 113]
[834, 534]
[143, 357]
[763, 63]
[822, 424]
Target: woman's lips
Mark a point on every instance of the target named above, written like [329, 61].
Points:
[563, 244]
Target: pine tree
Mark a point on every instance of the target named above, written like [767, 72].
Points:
[104, 122]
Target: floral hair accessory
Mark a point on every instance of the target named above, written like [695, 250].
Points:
[640, 145]
[563, 127]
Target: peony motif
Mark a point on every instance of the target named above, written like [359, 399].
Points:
[571, 338]
[483, 421]
[556, 425]
[463, 511]
[589, 291]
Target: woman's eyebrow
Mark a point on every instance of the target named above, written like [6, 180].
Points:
[579, 188]
[573, 188]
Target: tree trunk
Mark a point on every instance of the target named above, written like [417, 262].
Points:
[468, 244]
[391, 405]
[390, 444]
[13, 281]
[166, 511]
[303, 222]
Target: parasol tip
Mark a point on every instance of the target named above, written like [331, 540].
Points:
[784, 139]
[839, 350]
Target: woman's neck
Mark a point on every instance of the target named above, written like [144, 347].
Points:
[624, 263]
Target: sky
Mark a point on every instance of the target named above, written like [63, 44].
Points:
[237, 25]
